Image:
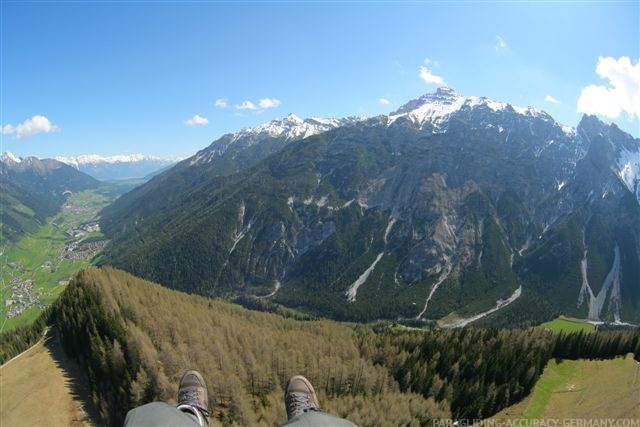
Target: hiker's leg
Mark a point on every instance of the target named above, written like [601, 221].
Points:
[159, 414]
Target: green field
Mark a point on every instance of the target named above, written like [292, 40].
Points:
[568, 324]
[35, 270]
[582, 389]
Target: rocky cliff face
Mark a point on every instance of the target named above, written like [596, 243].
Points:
[456, 209]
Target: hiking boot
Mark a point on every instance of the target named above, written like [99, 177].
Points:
[300, 397]
[192, 396]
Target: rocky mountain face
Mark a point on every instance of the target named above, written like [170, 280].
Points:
[33, 189]
[454, 209]
[225, 156]
[135, 166]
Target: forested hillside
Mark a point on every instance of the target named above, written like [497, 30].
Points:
[136, 338]
[481, 371]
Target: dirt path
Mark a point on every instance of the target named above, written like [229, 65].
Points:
[42, 387]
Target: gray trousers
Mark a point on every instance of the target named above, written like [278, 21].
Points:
[158, 414]
[318, 419]
[161, 414]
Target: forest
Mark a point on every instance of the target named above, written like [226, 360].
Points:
[135, 338]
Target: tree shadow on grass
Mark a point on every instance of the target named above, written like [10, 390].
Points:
[75, 379]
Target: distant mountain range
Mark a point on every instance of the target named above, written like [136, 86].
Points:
[119, 167]
[460, 210]
[33, 189]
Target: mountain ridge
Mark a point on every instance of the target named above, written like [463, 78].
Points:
[34, 189]
[119, 167]
[387, 218]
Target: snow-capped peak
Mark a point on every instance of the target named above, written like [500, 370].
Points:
[294, 119]
[443, 97]
[436, 108]
[10, 157]
[291, 127]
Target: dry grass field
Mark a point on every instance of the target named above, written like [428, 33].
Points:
[41, 387]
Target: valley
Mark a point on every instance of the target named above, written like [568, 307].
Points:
[36, 269]
[429, 209]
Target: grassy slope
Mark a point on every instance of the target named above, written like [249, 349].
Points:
[35, 389]
[586, 389]
[567, 325]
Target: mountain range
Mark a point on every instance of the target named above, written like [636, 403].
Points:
[452, 209]
[113, 168]
[33, 189]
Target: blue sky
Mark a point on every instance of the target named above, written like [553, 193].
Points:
[116, 77]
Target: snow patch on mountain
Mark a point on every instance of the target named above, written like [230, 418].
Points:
[568, 130]
[289, 128]
[628, 164]
[10, 157]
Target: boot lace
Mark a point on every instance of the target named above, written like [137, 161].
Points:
[299, 403]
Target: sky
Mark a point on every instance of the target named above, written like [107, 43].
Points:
[167, 78]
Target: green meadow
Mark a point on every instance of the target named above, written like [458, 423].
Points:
[581, 389]
[568, 324]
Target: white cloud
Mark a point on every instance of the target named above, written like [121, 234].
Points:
[261, 105]
[268, 103]
[384, 101]
[552, 100]
[500, 44]
[30, 127]
[221, 103]
[246, 105]
[622, 94]
[429, 77]
[197, 120]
